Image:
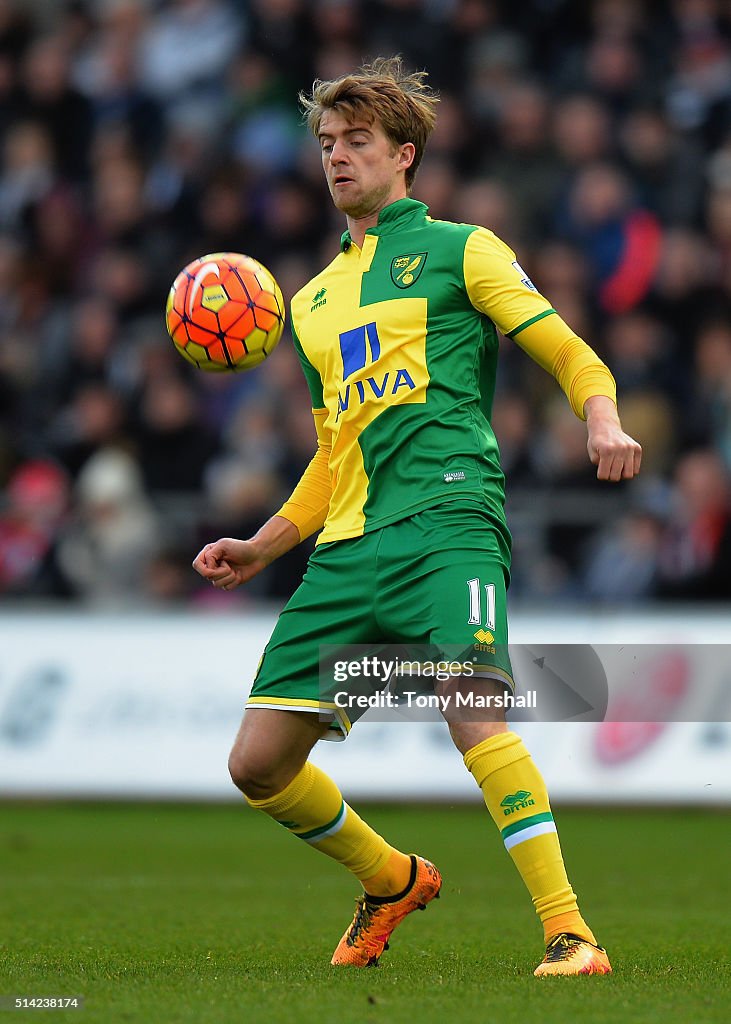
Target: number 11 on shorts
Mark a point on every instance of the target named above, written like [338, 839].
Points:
[475, 592]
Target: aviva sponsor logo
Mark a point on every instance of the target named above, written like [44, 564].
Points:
[358, 348]
[517, 801]
[388, 384]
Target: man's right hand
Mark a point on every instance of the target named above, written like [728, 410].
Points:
[228, 562]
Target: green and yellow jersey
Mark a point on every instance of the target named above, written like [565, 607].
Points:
[399, 342]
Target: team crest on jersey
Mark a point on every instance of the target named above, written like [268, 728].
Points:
[407, 269]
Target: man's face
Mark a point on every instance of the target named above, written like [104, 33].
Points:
[364, 169]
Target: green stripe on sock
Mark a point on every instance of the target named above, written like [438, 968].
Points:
[315, 832]
[518, 826]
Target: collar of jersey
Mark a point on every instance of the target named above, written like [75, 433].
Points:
[391, 218]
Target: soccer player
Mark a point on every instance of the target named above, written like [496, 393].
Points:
[398, 341]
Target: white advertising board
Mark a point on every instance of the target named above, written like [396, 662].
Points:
[147, 707]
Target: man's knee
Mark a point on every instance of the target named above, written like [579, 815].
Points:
[271, 749]
[258, 777]
[466, 735]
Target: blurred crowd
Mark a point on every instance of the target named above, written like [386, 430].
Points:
[594, 136]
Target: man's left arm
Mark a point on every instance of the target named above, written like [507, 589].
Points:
[590, 388]
[498, 286]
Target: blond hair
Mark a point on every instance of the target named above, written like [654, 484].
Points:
[403, 103]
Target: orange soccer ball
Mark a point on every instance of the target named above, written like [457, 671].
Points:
[225, 312]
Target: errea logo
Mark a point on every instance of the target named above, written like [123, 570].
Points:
[318, 299]
[484, 636]
[517, 801]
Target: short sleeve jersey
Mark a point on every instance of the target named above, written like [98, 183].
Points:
[398, 341]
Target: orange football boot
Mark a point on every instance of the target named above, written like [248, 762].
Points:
[375, 917]
[569, 954]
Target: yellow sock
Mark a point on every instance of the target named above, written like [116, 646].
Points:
[517, 800]
[393, 878]
[313, 809]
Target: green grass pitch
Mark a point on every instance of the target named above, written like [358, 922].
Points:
[214, 914]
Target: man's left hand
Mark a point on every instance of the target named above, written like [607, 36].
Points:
[616, 455]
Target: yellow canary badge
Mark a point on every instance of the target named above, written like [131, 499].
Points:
[407, 269]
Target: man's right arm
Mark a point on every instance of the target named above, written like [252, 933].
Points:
[308, 505]
[228, 562]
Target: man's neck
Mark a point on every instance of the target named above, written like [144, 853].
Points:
[357, 226]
